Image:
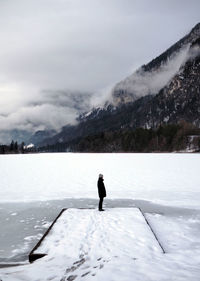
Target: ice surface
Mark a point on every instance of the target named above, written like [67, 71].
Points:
[177, 233]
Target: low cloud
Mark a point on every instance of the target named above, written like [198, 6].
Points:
[52, 110]
[142, 83]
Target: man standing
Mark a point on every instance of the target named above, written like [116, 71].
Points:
[101, 191]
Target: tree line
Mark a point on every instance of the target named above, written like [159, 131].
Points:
[15, 148]
[166, 138]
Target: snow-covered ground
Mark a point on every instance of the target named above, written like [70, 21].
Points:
[164, 186]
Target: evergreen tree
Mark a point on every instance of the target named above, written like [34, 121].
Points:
[16, 146]
[12, 145]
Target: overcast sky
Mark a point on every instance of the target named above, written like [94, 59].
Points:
[83, 45]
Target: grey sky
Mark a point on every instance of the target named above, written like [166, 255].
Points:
[84, 45]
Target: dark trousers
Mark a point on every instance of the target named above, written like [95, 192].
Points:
[100, 203]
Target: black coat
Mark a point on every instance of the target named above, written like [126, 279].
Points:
[101, 188]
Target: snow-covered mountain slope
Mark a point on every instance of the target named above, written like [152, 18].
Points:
[152, 77]
[179, 99]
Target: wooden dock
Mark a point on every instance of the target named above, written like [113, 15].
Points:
[83, 221]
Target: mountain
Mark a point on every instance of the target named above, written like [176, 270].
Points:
[20, 136]
[165, 91]
[40, 136]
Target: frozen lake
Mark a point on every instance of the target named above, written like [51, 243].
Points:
[34, 188]
[171, 179]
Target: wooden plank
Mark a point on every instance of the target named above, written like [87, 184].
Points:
[156, 237]
[33, 256]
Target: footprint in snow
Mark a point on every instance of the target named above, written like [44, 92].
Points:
[85, 274]
[75, 265]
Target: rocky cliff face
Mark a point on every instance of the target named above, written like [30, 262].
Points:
[179, 100]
